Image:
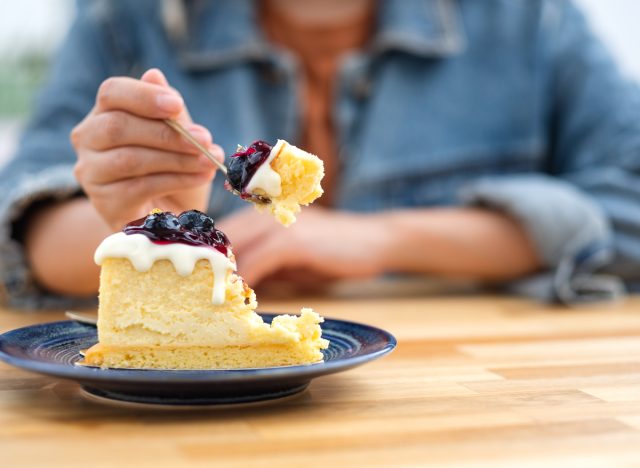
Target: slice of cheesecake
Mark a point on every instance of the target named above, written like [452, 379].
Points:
[284, 176]
[170, 299]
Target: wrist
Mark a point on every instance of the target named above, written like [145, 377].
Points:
[382, 237]
[414, 240]
[69, 230]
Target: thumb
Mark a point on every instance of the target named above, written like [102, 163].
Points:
[155, 76]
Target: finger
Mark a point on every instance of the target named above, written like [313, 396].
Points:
[155, 76]
[116, 128]
[144, 99]
[247, 227]
[125, 162]
[152, 186]
[267, 257]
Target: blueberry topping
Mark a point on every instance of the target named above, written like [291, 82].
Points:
[190, 227]
[243, 165]
[163, 224]
[195, 220]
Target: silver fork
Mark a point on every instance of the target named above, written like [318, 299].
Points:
[81, 318]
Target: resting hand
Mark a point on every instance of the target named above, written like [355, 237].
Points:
[326, 243]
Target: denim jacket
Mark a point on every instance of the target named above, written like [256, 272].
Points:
[512, 105]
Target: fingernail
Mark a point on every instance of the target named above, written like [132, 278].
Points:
[169, 102]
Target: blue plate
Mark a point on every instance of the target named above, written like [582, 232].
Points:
[54, 348]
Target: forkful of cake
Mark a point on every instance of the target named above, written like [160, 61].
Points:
[282, 175]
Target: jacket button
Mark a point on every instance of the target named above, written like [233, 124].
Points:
[272, 75]
[362, 88]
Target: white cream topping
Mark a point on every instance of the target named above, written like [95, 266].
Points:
[142, 253]
[265, 178]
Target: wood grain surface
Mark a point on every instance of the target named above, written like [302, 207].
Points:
[475, 380]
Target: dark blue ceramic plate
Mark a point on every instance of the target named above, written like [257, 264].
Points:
[54, 348]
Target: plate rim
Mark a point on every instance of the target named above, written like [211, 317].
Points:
[194, 376]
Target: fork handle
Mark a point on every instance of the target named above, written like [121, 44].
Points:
[182, 131]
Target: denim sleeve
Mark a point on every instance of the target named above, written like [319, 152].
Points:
[41, 169]
[570, 232]
[584, 217]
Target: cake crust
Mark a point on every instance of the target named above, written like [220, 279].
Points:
[202, 357]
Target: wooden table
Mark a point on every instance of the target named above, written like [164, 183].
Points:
[475, 380]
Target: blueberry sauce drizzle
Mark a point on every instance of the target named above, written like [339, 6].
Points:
[243, 165]
[190, 227]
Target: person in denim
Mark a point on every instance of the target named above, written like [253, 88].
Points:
[491, 140]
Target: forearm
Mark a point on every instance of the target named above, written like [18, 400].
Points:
[469, 243]
[60, 242]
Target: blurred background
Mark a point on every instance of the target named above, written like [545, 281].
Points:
[31, 30]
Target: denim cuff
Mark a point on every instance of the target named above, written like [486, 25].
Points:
[572, 236]
[18, 287]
